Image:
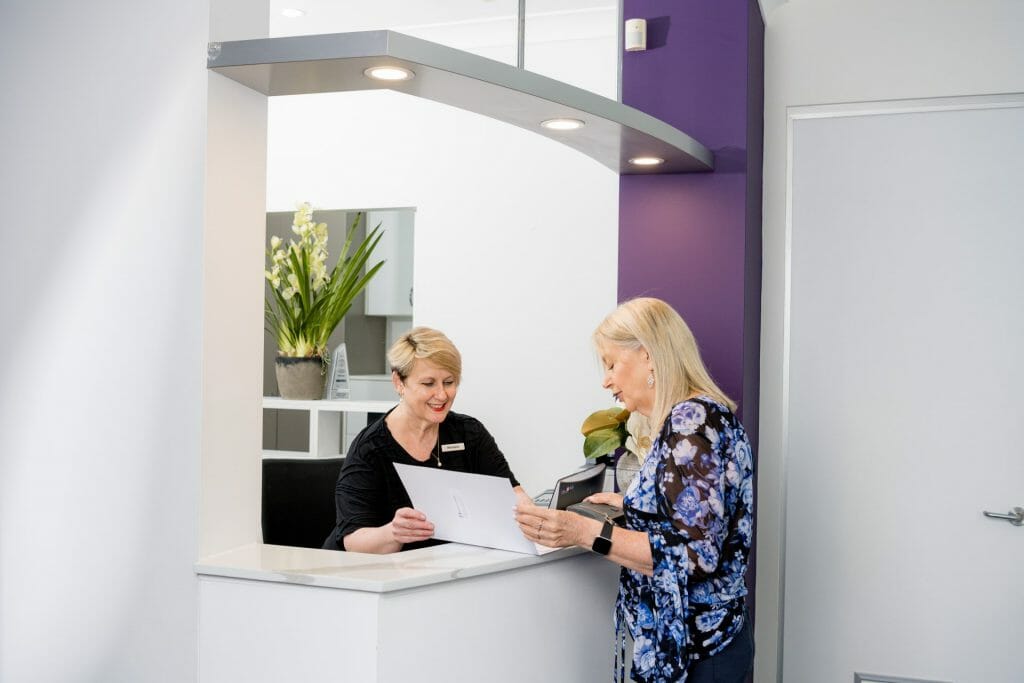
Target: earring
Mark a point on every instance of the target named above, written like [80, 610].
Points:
[650, 380]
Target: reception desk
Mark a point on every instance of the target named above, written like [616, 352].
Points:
[449, 613]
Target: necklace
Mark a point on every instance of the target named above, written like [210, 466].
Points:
[437, 448]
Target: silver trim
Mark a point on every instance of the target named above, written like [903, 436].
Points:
[521, 35]
[614, 133]
[620, 37]
[872, 678]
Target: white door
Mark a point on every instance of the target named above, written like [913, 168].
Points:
[905, 416]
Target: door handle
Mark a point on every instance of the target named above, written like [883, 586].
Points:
[1014, 516]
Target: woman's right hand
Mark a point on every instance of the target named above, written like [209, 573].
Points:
[410, 526]
[606, 498]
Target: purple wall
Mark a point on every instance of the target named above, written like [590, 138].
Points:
[695, 239]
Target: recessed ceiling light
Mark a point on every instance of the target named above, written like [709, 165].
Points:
[646, 161]
[562, 124]
[292, 13]
[389, 73]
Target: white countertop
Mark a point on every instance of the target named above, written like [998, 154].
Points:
[365, 572]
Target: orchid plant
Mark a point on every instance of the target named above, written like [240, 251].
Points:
[305, 301]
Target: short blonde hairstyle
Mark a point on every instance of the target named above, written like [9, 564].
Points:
[424, 343]
[651, 324]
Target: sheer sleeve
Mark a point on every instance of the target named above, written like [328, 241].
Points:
[692, 486]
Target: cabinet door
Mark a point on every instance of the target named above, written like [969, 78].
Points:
[390, 291]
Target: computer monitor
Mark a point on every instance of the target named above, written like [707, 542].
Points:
[573, 488]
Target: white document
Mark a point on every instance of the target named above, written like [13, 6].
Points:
[475, 509]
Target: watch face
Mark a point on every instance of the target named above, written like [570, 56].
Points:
[601, 545]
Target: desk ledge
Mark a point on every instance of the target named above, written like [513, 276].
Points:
[366, 572]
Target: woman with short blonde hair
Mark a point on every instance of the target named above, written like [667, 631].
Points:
[373, 510]
[424, 343]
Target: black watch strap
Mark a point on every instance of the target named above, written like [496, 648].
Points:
[603, 542]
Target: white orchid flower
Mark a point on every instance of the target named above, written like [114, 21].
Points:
[296, 314]
[639, 439]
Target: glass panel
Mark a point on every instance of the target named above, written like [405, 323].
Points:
[483, 27]
[576, 42]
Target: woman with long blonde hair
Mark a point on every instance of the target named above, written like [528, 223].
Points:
[688, 513]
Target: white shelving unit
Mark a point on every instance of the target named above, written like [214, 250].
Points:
[325, 427]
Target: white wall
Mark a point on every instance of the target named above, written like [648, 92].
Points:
[832, 51]
[515, 249]
[101, 178]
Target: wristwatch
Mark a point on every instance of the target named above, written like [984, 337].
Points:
[603, 543]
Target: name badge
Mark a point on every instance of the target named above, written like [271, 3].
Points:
[449, 447]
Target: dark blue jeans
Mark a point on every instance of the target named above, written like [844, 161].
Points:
[731, 665]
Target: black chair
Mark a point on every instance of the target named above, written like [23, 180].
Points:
[298, 500]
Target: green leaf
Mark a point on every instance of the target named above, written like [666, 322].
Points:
[601, 442]
[604, 419]
[303, 324]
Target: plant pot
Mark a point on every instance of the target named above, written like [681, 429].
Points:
[300, 378]
[626, 468]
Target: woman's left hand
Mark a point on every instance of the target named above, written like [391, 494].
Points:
[551, 528]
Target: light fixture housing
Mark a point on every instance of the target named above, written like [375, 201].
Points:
[389, 73]
[308, 64]
[562, 124]
[646, 161]
[292, 13]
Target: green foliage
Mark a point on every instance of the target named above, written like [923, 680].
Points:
[604, 431]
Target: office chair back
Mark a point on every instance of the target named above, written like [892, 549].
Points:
[298, 500]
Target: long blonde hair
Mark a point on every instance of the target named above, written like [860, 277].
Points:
[651, 324]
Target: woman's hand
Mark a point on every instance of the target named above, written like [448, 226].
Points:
[606, 498]
[410, 526]
[552, 528]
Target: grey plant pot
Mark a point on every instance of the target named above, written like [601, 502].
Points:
[626, 469]
[300, 378]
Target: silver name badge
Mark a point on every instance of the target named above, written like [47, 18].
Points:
[449, 447]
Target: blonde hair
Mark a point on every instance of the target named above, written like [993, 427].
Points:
[651, 324]
[424, 343]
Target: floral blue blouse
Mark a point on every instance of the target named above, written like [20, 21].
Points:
[694, 497]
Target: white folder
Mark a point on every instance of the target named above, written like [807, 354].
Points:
[475, 509]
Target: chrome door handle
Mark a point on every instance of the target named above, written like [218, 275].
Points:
[1014, 516]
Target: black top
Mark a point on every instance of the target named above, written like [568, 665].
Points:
[369, 492]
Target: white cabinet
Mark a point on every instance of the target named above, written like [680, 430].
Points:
[390, 293]
[325, 422]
